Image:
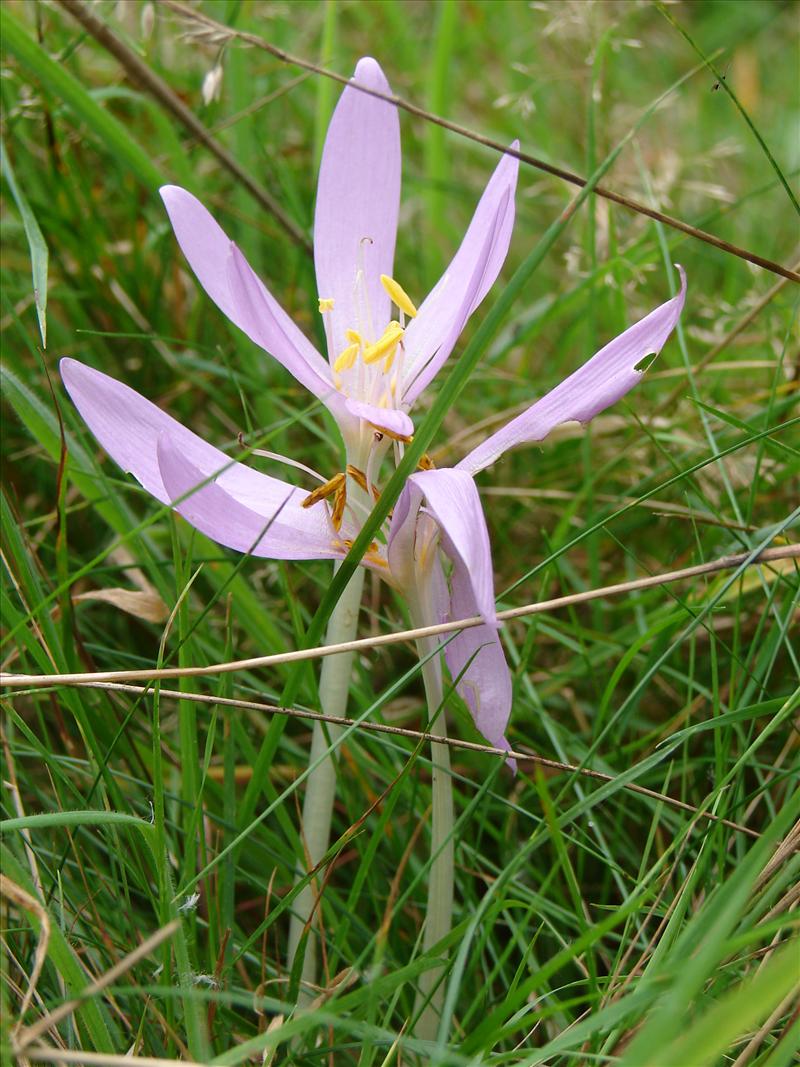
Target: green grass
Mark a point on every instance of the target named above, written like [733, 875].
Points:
[593, 924]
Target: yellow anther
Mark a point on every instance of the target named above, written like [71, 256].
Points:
[398, 296]
[425, 463]
[339, 501]
[353, 336]
[358, 476]
[322, 492]
[325, 304]
[345, 359]
[385, 344]
[387, 363]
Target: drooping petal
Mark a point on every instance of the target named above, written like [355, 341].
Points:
[397, 422]
[285, 531]
[475, 657]
[239, 293]
[401, 542]
[598, 384]
[129, 428]
[358, 200]
[456, 295]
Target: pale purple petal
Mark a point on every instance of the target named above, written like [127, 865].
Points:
[283, 530]
[392, 419]
[358, 199]
[454, 297]
[262, 319]
[239, 293]
[451, 321]
[475, 657]
[401, 542]
[129, 428]
[598, 384]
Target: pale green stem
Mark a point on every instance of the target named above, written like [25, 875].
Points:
[439, 914]
[321, 783]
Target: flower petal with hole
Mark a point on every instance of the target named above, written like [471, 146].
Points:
[598, 384]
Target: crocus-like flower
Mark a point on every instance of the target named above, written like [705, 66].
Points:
[438, 514]
[441, 509]
[382, 349]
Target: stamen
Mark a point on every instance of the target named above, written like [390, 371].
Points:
[325, 304]
[373, 459]
[344, 544]
[365, 321]
[406, 440]
[385, 345]
[425, 463]
[354, 337]
[324, 491]
[346, 358]
[339, 501]
[279, 458]
[398, 296]
[359, 477]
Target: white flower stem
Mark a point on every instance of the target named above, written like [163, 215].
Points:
[439, 914]
[321, 783]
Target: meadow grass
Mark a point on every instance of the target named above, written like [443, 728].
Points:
[594, 923]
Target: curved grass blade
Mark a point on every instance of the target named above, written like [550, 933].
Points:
[36, 243]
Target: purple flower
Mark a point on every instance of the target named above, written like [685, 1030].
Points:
[377, 366]
[382, 350]
[439, 514]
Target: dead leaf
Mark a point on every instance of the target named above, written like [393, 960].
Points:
[147, 606]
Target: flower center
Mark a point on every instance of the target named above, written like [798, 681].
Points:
[370, 358]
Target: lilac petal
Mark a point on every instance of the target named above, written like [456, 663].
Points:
[264, 322]
[401, 542]
[358, 200]
[454, 319]
[239, 293]
[129, 428]
[284, 532]
[395, 421]
[475, 656]
[483, 250]
[600, 382]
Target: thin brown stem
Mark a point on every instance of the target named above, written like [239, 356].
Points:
[141, 74]
[712, 353]
[769, 555]
[222, 32]
[521, 755]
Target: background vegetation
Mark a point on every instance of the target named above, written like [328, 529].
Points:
[593, 924]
